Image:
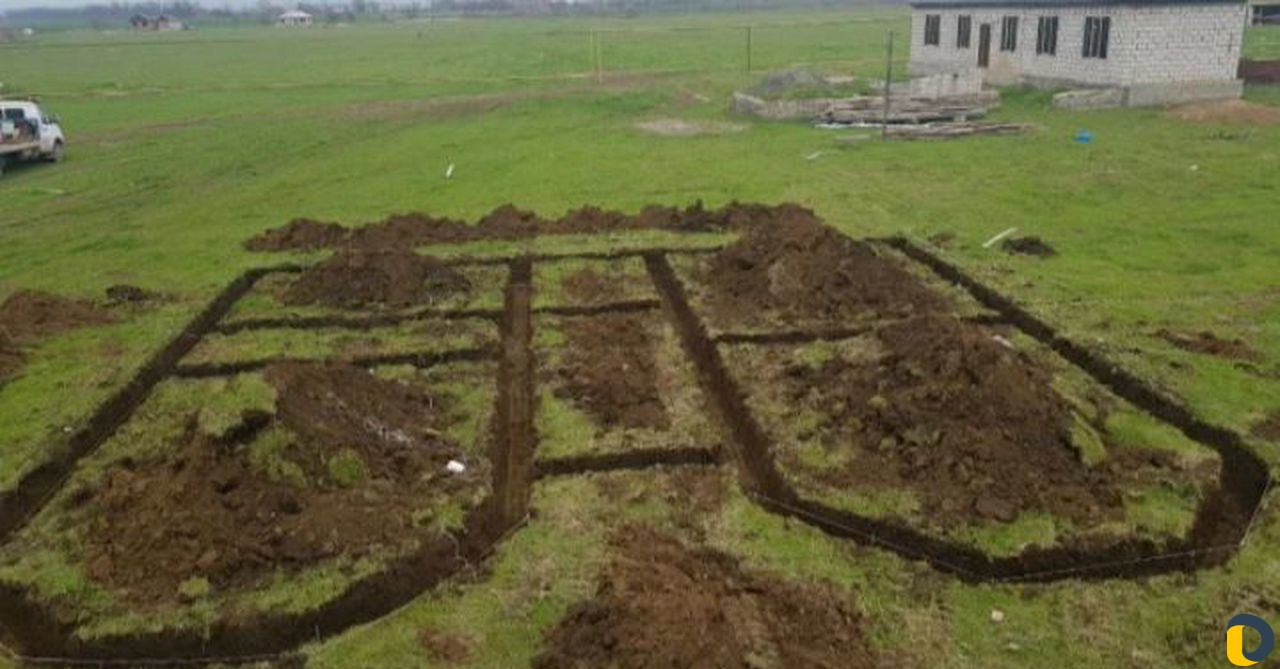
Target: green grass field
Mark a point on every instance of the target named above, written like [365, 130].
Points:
[181, 146]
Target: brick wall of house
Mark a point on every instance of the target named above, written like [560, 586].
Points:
[1149, 44]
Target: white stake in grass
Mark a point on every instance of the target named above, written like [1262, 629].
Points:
[993, 240]
[448, 172]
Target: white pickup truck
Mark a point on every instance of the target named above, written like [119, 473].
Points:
[28, 133]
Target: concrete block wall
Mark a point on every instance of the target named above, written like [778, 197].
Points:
[1149, 44]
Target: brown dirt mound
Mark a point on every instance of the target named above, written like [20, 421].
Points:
[362, 466]
[507, 222]
[1267, 428]
[792, 265]
[1028, 246]
[397, 279]
[28, 315]
[663, 605]
[968, 424]
[300, 234]
[1227, 111]
[610, 369]
[1210, 344]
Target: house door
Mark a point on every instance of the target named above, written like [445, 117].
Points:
[984, 45]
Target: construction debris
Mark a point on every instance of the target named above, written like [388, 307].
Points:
[870, 108]
[950, 130]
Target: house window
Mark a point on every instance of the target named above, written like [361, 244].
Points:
[1047, 36]
[1009, 33]
[964, 25]
[1097, 36]
[932, 29]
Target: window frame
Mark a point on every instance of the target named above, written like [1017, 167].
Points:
[1047, 36]
[1009, 33]
[932, 29]
[1096, 42]
[964, 31]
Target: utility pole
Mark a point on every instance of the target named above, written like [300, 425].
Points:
[888, 78]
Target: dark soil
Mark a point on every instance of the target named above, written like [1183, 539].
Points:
[1268, 428]
[663, 605]
[28, 316]
[792, 266]
[447, 648]
[127, 294]
[11, 357]
[1029, 246]
[969, 425]
[1260, 71]
[300, 234]
[610, 370]
[405, 231]
[1210, 344]
[397, 279]
[209, 510]
[591, 287]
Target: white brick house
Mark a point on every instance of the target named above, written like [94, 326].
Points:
[1150, 51]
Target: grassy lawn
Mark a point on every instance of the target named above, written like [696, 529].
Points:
[184, 145]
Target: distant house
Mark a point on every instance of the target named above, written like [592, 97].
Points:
[294, 18]
[161, 23]
[1145, 51]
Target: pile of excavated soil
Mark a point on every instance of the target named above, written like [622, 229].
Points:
[1028, 246]
[405, 231]
[300, 234]
[610, 369]
[397, 279]
[362, 463]
[663, 605]
[950, 413]
[792, 266]
[28, 316]
[1210, 344]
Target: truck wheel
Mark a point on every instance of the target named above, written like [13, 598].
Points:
[58, 154]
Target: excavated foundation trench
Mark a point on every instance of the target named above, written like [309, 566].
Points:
[1220, 525]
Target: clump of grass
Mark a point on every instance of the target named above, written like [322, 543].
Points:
[347, 468]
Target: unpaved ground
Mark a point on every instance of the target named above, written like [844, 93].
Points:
[1227, 111]
[396, 279]
[662, 605]
[946, 411]
[355, 459]
[791, 267]
[592, 287]
[28, 316]
[610, 369]
[1210, 344]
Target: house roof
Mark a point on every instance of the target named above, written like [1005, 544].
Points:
[295, 14]
[942, 4]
